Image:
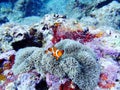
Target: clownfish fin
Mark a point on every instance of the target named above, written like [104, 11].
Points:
[57, 58]
[62, 51]
[50, 49]
[54, 49]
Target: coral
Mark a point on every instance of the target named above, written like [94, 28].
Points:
[14, 36]
[6, 62]
[10, 33]
[68, 85]
[27, 81]
[7, 54]
[51, 79]
[79, 63]
[77, 34]
[109, 15]
[108, 75]
[108, 44]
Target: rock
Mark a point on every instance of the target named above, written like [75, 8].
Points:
[108, 15]
[3, 19]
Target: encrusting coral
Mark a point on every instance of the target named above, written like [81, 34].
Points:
[78, 63]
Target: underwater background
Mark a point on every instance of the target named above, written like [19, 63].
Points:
[93, 12]
[59, 44]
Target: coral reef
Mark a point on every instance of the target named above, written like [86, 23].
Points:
[109, 16]
[26, 80]
[90, 61]
[14, 36]
[10, 33]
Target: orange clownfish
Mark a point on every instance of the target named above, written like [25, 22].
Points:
[98, 35]
[55, 52]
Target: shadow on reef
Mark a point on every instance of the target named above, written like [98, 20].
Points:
[42, 85]
[100, 5]
[28, 42]
[3, 20]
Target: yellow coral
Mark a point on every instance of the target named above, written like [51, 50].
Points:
[2, 77]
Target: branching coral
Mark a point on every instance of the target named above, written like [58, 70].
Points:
[78, 63]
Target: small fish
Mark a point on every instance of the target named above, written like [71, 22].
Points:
[98, 35]
[55, 52]
[2, 77]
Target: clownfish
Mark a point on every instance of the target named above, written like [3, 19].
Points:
[100, 34]
[55, 52]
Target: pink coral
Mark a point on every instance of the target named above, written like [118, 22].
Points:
[51, 79]
[108, 77]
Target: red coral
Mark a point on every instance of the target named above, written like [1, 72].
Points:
[104, 82]
[103, 76]
[78, 35]
[68, 85]
[8, 63]
[12, 58]
[106, 85]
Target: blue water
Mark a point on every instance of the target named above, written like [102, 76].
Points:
[15, 10]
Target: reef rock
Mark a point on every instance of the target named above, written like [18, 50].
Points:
[108, 15]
